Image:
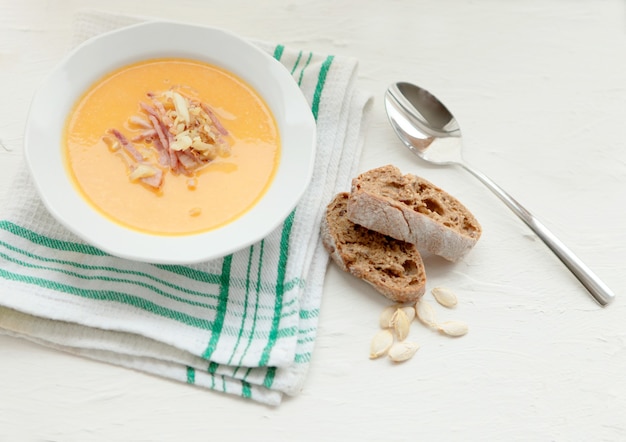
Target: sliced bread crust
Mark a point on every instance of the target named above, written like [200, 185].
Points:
[393, 267]
[412, 209]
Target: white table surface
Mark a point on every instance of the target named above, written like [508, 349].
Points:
[539, 88]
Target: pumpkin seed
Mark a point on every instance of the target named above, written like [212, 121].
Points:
[401, 324]
[381, 343]
[453, 328]
[386, 315]
[402, 351]
[444, 296]
[409, 310]
[425, 313]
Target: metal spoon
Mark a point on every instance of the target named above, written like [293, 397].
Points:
[430, 131]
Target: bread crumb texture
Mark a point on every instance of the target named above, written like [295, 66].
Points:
[412, 209]
[393, 267]
[421, 196]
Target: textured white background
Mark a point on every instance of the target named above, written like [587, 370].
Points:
[539, 88]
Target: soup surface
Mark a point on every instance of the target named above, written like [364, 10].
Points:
[181, 201]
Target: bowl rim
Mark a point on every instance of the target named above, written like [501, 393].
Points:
[270, 79]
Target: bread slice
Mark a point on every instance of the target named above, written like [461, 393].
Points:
[412, 209]
[392, 267]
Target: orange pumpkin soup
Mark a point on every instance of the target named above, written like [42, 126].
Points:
[171, 146]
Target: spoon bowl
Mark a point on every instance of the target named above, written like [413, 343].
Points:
[429, 130]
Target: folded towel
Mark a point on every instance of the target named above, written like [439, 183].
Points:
[244, 324]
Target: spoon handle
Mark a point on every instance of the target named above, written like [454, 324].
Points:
[600, 291]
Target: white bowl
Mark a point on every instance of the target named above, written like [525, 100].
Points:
[95, 58]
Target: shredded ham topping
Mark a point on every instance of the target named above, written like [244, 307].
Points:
[180, 133]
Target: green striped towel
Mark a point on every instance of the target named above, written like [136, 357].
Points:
[244, 324]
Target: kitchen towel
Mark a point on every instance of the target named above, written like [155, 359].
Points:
[244, 324]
